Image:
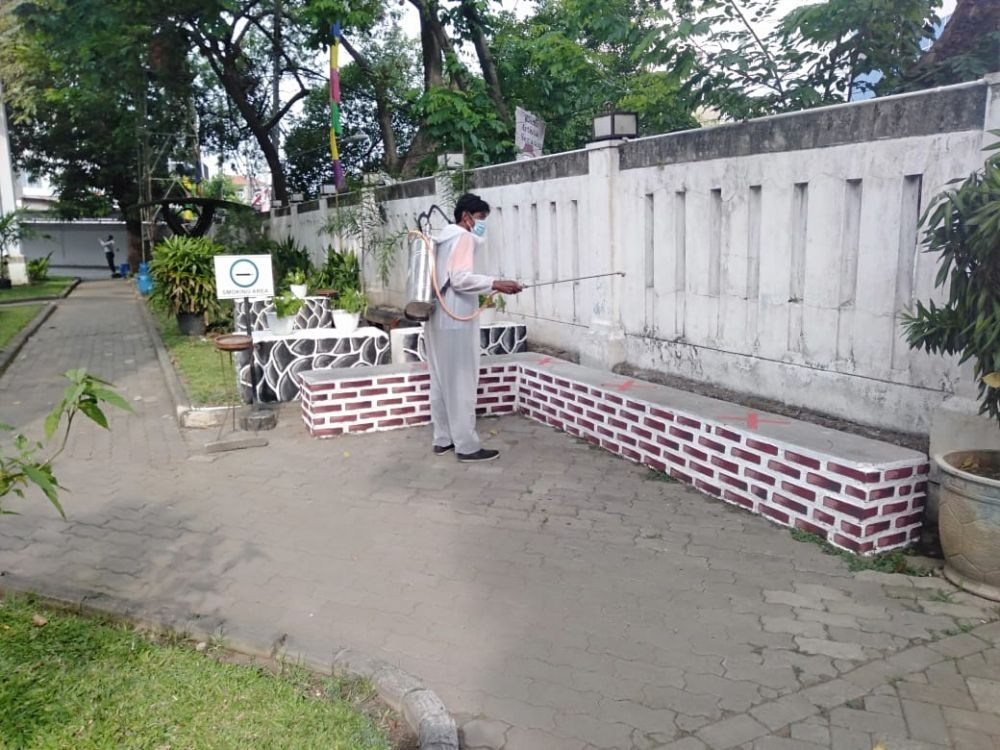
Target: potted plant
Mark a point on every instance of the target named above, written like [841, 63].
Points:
[352, 304]
[491, 305]
[183, 273]
[286, 307]
[963, 229]
[296, 281]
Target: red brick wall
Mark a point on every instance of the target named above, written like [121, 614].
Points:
[862, 508]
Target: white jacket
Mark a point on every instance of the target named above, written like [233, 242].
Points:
[454, 258]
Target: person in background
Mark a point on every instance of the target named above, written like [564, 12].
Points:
[452, 344]
[109, 254]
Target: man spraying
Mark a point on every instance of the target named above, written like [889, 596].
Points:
[453, 343]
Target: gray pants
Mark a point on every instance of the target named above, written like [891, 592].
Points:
[453, 360]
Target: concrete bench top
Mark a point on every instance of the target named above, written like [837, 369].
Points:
[260, 337]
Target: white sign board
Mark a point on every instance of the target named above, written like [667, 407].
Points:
[239, 276]
[529, 133]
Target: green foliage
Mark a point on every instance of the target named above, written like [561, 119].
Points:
[51, 287]
[493, 301]
[12, 231]
[296, 277]
[38, 269]
[573, 56]
[287, 305]
[21, 466]
[818, 53]
[353, 301]
[287, 257]
[884, 562]
[364, 223]
[341, 272]
[183, 272]
[962, 227]
[392, 72]
[77, 99]
[241, 231]
[15, 318]
[207, 376]
[465, 122]
[220, 186]
[76, 681]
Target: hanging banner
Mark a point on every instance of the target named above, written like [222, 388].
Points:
[529, 134]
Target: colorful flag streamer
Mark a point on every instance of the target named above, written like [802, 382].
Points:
[335, 128]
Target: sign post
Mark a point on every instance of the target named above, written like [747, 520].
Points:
[529, 134]
[245, 276]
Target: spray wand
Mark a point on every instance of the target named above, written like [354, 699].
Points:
[577, 278]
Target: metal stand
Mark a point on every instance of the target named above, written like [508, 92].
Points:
[230, 344]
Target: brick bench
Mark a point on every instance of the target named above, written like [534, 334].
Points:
[860, 494]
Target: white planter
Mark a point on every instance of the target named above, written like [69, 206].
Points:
[298, 290]
[345, 322]
[279, 326]
[488, 316]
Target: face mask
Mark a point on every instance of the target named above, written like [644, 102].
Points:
[479, 228]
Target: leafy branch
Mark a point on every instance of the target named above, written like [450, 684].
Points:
[24, 467]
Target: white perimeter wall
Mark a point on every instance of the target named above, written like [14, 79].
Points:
[772, 257]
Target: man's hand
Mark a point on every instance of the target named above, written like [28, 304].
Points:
[506, 286]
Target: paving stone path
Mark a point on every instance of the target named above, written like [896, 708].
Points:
[559, 598]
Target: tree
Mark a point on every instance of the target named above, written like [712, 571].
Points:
[307, 145]
[573, 56]
[820, 53]
[236, 39]
[79, 100]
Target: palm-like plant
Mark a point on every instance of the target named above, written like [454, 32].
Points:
[962, 227]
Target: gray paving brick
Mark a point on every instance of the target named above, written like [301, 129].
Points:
[784, 711]
[653, 607]
[732, 732]
[925, 721]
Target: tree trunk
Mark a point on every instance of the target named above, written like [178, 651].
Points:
[133, 229]
[383, 110]
[431, 51]
[967, 30]
[390, 158]
[489, 68]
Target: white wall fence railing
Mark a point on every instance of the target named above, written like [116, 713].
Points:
[772, 257]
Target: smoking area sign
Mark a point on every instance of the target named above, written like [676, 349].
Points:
[240, 276]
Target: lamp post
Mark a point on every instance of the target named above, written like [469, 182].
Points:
[613, 125]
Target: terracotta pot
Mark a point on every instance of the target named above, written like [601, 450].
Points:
[969, 522]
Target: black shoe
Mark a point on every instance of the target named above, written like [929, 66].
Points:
[440, 450]
[482, 454]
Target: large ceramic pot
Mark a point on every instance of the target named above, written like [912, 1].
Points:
[969, 521]
[191, 324]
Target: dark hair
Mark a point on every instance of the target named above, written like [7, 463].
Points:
[111, 236]
[471, 204]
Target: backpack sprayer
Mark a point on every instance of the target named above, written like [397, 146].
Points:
[422, 288]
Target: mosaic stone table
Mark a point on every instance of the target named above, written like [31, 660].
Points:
[494, 339]
[279, 359]
[315, 313]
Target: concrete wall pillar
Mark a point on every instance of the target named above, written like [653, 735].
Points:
[603, 345]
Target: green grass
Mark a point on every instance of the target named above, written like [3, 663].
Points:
[86, 683]
[13, 319]
[208, 380]
[884, 562]
[51, 287]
